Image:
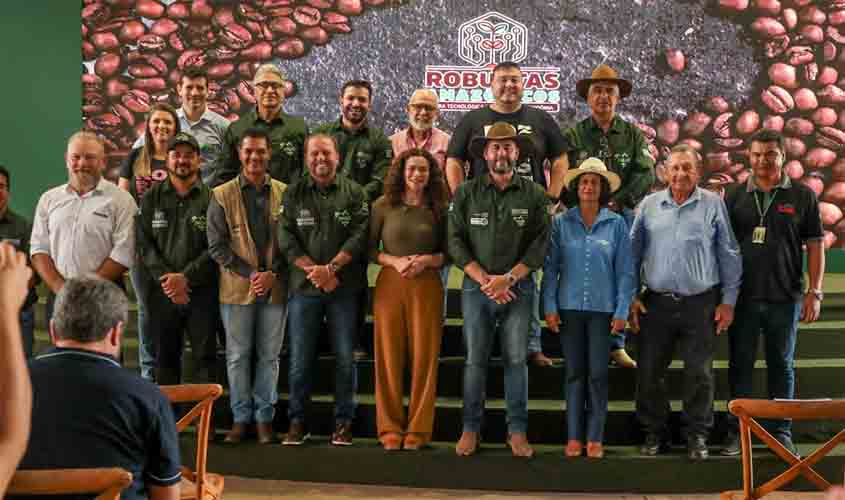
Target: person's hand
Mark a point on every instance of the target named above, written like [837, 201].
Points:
[261, 282]
[14, 276]
[724, 317]
[505, 296]
[835, 493]
[553, 322]
[331, 285]
[416, 266]
[810, 308]
[637, 310]
[617, 326]
[174, 284]
[401, 264]
[181, 300]
[319, 275]
[496, 285]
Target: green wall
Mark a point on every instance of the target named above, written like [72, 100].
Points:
[41, 92]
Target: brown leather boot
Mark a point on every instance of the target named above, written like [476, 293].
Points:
[265, 432]
[236, 435]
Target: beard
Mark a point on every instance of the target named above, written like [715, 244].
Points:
[323, 170]
[182, 173]
[503, 167]
[84, 181]
[354, 116]
[420, 125]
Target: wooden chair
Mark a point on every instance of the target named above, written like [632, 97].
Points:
[749, 409]
[106, 483]
[197, 484]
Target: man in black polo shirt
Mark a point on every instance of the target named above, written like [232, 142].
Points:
[87, 410]
[172, 243]
[15, 230]
[772, 217]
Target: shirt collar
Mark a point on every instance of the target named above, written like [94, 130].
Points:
[616, 125]
[256, 118]
[206, 115]
[245, 183]
[364, 129]
[666, 197]
[604, 214]
[79, 353]
[6, 215]
[487, 182]
[785, 183]
[168, 186]
[313, 185]
[101, 186]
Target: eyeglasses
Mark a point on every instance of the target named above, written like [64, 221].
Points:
[423, 107]
[269, 85]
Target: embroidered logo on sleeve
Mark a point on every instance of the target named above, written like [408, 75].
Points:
[479, 219]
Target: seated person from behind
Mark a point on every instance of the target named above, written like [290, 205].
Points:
[90, 412]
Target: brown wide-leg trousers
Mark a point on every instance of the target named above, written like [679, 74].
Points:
[408, 327]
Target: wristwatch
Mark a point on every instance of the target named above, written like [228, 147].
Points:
[332, 267]
[510, 277]
[818, 293]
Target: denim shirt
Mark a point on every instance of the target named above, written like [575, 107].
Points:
[588, 269]
[686, 249]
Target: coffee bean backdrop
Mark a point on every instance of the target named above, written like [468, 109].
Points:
[705, 73]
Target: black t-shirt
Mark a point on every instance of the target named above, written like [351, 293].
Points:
[546, 137]
[773, 271]
[138, 184]
[87, 412]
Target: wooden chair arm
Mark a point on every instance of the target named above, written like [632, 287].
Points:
[796, 410]
[188, 393]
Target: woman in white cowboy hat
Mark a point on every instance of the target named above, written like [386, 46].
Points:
[588, 285]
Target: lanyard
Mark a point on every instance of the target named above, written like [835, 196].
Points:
[762, 212]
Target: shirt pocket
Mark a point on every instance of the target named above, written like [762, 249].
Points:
[98, 224]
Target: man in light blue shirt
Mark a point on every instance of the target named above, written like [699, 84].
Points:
[205, 125]
[686, 254]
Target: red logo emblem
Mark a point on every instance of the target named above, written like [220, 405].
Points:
[786, 209]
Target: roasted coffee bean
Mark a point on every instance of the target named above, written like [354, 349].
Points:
[149, 84]
[722, 125]
[824, 117]
[152, 43]
[767, 27]
[728, 143]
[795, 147]
[89, 52]
[830, 213]
[143, 71]
[835, 193]
[105, 41]
[696, 123]
[200, 36]
[246, 12]
[192, 58]
[733, 5]
[151, 9]
[247, 69]
[246, 92]
[812, 15]
[799, 126]
[230, 97]
[174, 77]
[106, 123]
[235, 36]
[315, 35]
[350, 7]
[92, 103]
[320, 4]
[131, 31]
[829, 51]
[164, 27]
[107, 65]
[91, 83]
[124, 114]
[176, 42]
[375, 3]
[258, 52]
[773, 122]
[810, 73]
[794, 169]
[836, 17]
[215, 90]
[777, 99]
[811, 33]
[831, 138]
[783, 75]
[306, 16]
[179, 10]
[136, 101]
[776, 46]
[290, 48]
[283, 25]
[805, 100]
[222, 16]
[747, 122]
[335, 23]
[224, 53]
[768, 7]
[116, 87]
[95, 14]
[799, 54]
[221, 71]
[831, 94]
[201, 10]
[827, 76]
[717, 162]
[837, 171]
[668, 131]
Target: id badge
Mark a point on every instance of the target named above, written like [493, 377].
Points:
[759, 235]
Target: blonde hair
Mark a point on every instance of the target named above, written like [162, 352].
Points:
[87, 135]
[268, 68]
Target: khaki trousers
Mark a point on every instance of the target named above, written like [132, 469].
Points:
[408, 328]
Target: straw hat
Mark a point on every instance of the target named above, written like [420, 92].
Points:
[593, 166]
[603, 73]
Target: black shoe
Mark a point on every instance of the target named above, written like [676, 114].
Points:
[697, 448]
[360, 354]
[731, 448]
[652, 445]
[787, 443]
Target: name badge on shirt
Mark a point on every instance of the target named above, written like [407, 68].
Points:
[159, 220]
[305, 218]
[479, 219]
[759, 235]
[519, 215]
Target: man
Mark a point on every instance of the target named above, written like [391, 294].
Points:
[423, 110]
[172, 242]
[241, 237]
[15, 230]
[85, 226]
[364, 153]
[287, 133]
[773, 218]
[498, 231]
[622, 147]
[548, 144]
[91, 412]
[685, 251]
[323, 232]
[206, 126]
[16, 390]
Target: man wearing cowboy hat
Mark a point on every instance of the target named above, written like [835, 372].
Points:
[621, 146]
[498, 231]
[547, 144]
[686, 256]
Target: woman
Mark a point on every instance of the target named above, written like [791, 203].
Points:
[408, 238]
[145, 166]
[588, 285]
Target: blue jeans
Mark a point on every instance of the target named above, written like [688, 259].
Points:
[585, 341]
[778, 323]
[483, 319]
[444, 278]
[142, 284]
[253, 330]
[535, 343]
[306, 313]
[27, 320]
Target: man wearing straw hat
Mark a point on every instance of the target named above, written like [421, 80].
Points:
[498, 232]
[621, 146]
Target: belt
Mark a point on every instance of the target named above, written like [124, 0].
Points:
[677, 297]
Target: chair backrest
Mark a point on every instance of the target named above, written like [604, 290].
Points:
[799, 409]
[204, 395]
[106, 483]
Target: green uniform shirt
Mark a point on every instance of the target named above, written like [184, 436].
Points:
[171, 233]
[623, 149]
[320, 223]
[15, 230]
[499, 229]
[365, 155]
[287, 139]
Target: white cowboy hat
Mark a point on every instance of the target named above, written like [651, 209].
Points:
[593, 166]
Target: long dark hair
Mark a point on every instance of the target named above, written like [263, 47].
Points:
[143, 163]
[434, 195]
[572, 191]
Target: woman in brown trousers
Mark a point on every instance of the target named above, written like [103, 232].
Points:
[408, 239]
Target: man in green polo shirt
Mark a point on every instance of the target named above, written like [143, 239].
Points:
[287, 133]
[365, 155]
[498, 231]
[621, 146]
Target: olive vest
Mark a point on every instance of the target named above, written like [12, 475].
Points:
[234, 288]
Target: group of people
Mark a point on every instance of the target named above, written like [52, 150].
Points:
[273, 224]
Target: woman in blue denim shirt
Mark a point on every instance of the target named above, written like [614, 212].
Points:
[588, 285]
